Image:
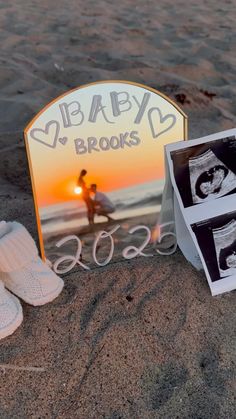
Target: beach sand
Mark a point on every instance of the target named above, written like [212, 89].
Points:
[138, 339]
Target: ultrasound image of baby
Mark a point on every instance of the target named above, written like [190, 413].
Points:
[225, 246]
[210, 182]
[209, 178]
[227, 257]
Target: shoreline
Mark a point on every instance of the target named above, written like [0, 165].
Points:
[83, 230]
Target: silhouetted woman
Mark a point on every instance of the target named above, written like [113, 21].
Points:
[86, 197]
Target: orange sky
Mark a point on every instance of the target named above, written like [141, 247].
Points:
[56, 170]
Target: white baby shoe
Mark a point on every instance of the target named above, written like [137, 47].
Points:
[22, 270]
[11, 314]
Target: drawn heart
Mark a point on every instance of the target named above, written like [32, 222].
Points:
[169, 119]
[47, 136]
[63, 140]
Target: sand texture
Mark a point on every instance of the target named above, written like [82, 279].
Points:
[141, 339]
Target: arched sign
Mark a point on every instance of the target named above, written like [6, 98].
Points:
[96, 162]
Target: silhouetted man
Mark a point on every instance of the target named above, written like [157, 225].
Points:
[102, 204]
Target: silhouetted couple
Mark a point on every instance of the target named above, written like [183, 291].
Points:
[100, 204]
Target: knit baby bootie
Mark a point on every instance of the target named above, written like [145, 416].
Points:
[11, 315]
[22, 270]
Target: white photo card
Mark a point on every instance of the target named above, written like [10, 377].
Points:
[203, 175]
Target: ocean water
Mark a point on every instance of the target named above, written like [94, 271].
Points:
[129, 202]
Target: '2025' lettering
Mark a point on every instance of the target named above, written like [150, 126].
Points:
[129, 252]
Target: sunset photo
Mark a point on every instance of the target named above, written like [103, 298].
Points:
[94, 168]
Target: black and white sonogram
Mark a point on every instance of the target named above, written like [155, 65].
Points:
[210, 178]
[205, 171]
[217, 241]
[225, 244]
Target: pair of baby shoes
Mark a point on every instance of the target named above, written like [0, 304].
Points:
[22, 274]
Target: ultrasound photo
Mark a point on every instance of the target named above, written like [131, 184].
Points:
[205, 172]
[225, 244]
[217, 240]
[209, 178]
